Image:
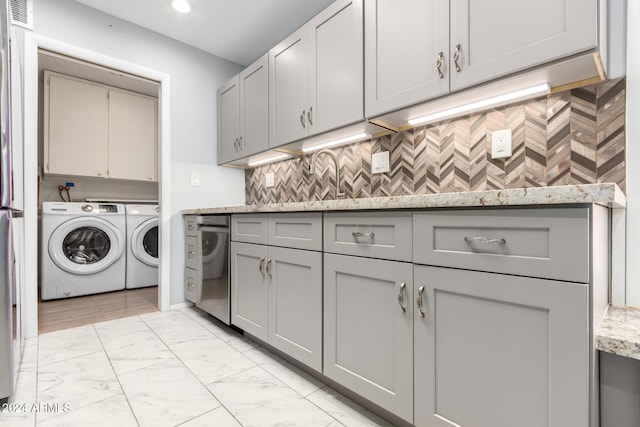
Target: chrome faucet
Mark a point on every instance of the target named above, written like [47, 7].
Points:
[312, 168]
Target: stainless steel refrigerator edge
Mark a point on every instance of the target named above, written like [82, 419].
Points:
[9, 325]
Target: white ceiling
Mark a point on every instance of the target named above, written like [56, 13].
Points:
[237, 30]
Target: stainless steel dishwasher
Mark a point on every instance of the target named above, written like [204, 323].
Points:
[209, 254]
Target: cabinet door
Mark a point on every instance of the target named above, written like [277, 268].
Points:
[295, 304]
[229, 121]
[76, 127]
[403, 43]
[249, 288]
[288, 89]
[496, 350]
[367, 335]
[498, 37]
[254, 107]
[336, 66]
[133, 131]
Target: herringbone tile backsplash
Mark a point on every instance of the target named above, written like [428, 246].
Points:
[573, 137]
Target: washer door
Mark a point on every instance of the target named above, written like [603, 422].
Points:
[85, 245]
[144, 242]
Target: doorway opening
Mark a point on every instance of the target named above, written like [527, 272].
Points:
[125, 75]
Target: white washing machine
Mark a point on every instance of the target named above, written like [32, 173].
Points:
[82, 250]
[142, 246]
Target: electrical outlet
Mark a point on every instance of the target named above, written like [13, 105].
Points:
[269, 180]
[380, 162]
[501, 144]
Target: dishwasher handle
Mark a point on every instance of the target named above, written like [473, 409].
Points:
[213, 229]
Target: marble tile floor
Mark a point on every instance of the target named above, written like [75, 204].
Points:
[173, 368]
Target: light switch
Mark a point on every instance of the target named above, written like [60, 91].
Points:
[195, 179]
[269, 180]
[380, 162]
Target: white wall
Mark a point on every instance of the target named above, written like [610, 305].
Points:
[195, 76]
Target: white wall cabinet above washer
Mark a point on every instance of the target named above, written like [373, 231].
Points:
[98, 131]
[133, 136]
[76, 126]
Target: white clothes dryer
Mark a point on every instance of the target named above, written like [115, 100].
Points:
[142, 246]
[82, 249]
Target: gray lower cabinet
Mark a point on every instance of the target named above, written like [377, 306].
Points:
[499, 350]
[295, 304]
[249, 291]
[368, 329]
[277, 298]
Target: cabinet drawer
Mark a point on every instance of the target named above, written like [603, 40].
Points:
[190, 252]
[190, 225]
[192, 285]
[546, 243]
[384, 235]
[249, 228]
[298, 231]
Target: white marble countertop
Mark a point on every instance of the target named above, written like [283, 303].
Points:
[619, 332]
[606, 194]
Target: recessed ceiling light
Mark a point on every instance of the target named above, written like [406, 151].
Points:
[182, 6]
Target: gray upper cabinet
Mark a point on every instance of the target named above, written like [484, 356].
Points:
[243, 117]
[496, 350]
[496, 37]
[316, 75]
[406, 52]
[421, 49]
[228, 120]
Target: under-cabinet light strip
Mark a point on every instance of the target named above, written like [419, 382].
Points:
[494, 101]
[269, 159]
[350, 138]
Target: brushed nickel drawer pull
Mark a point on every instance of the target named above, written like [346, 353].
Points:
[261, 266]
[484, 240]
[302, 119]
[419, 301]
[358, 234]
[401, 297]
[439, 63]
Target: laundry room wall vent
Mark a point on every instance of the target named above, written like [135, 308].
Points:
[22, 13]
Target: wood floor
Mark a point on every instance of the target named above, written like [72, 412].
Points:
[70, 312]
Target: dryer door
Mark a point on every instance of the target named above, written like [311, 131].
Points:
[85, 245]
[144, 242]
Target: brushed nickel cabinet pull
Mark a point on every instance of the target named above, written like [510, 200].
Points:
[419, 301]
[439, 63]
[302, 119]
[401, 297]
[456, 57]
[360, 234]
[240, 144]
[261, 266]
[269, 268]
[309, 116]
[484, 240]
